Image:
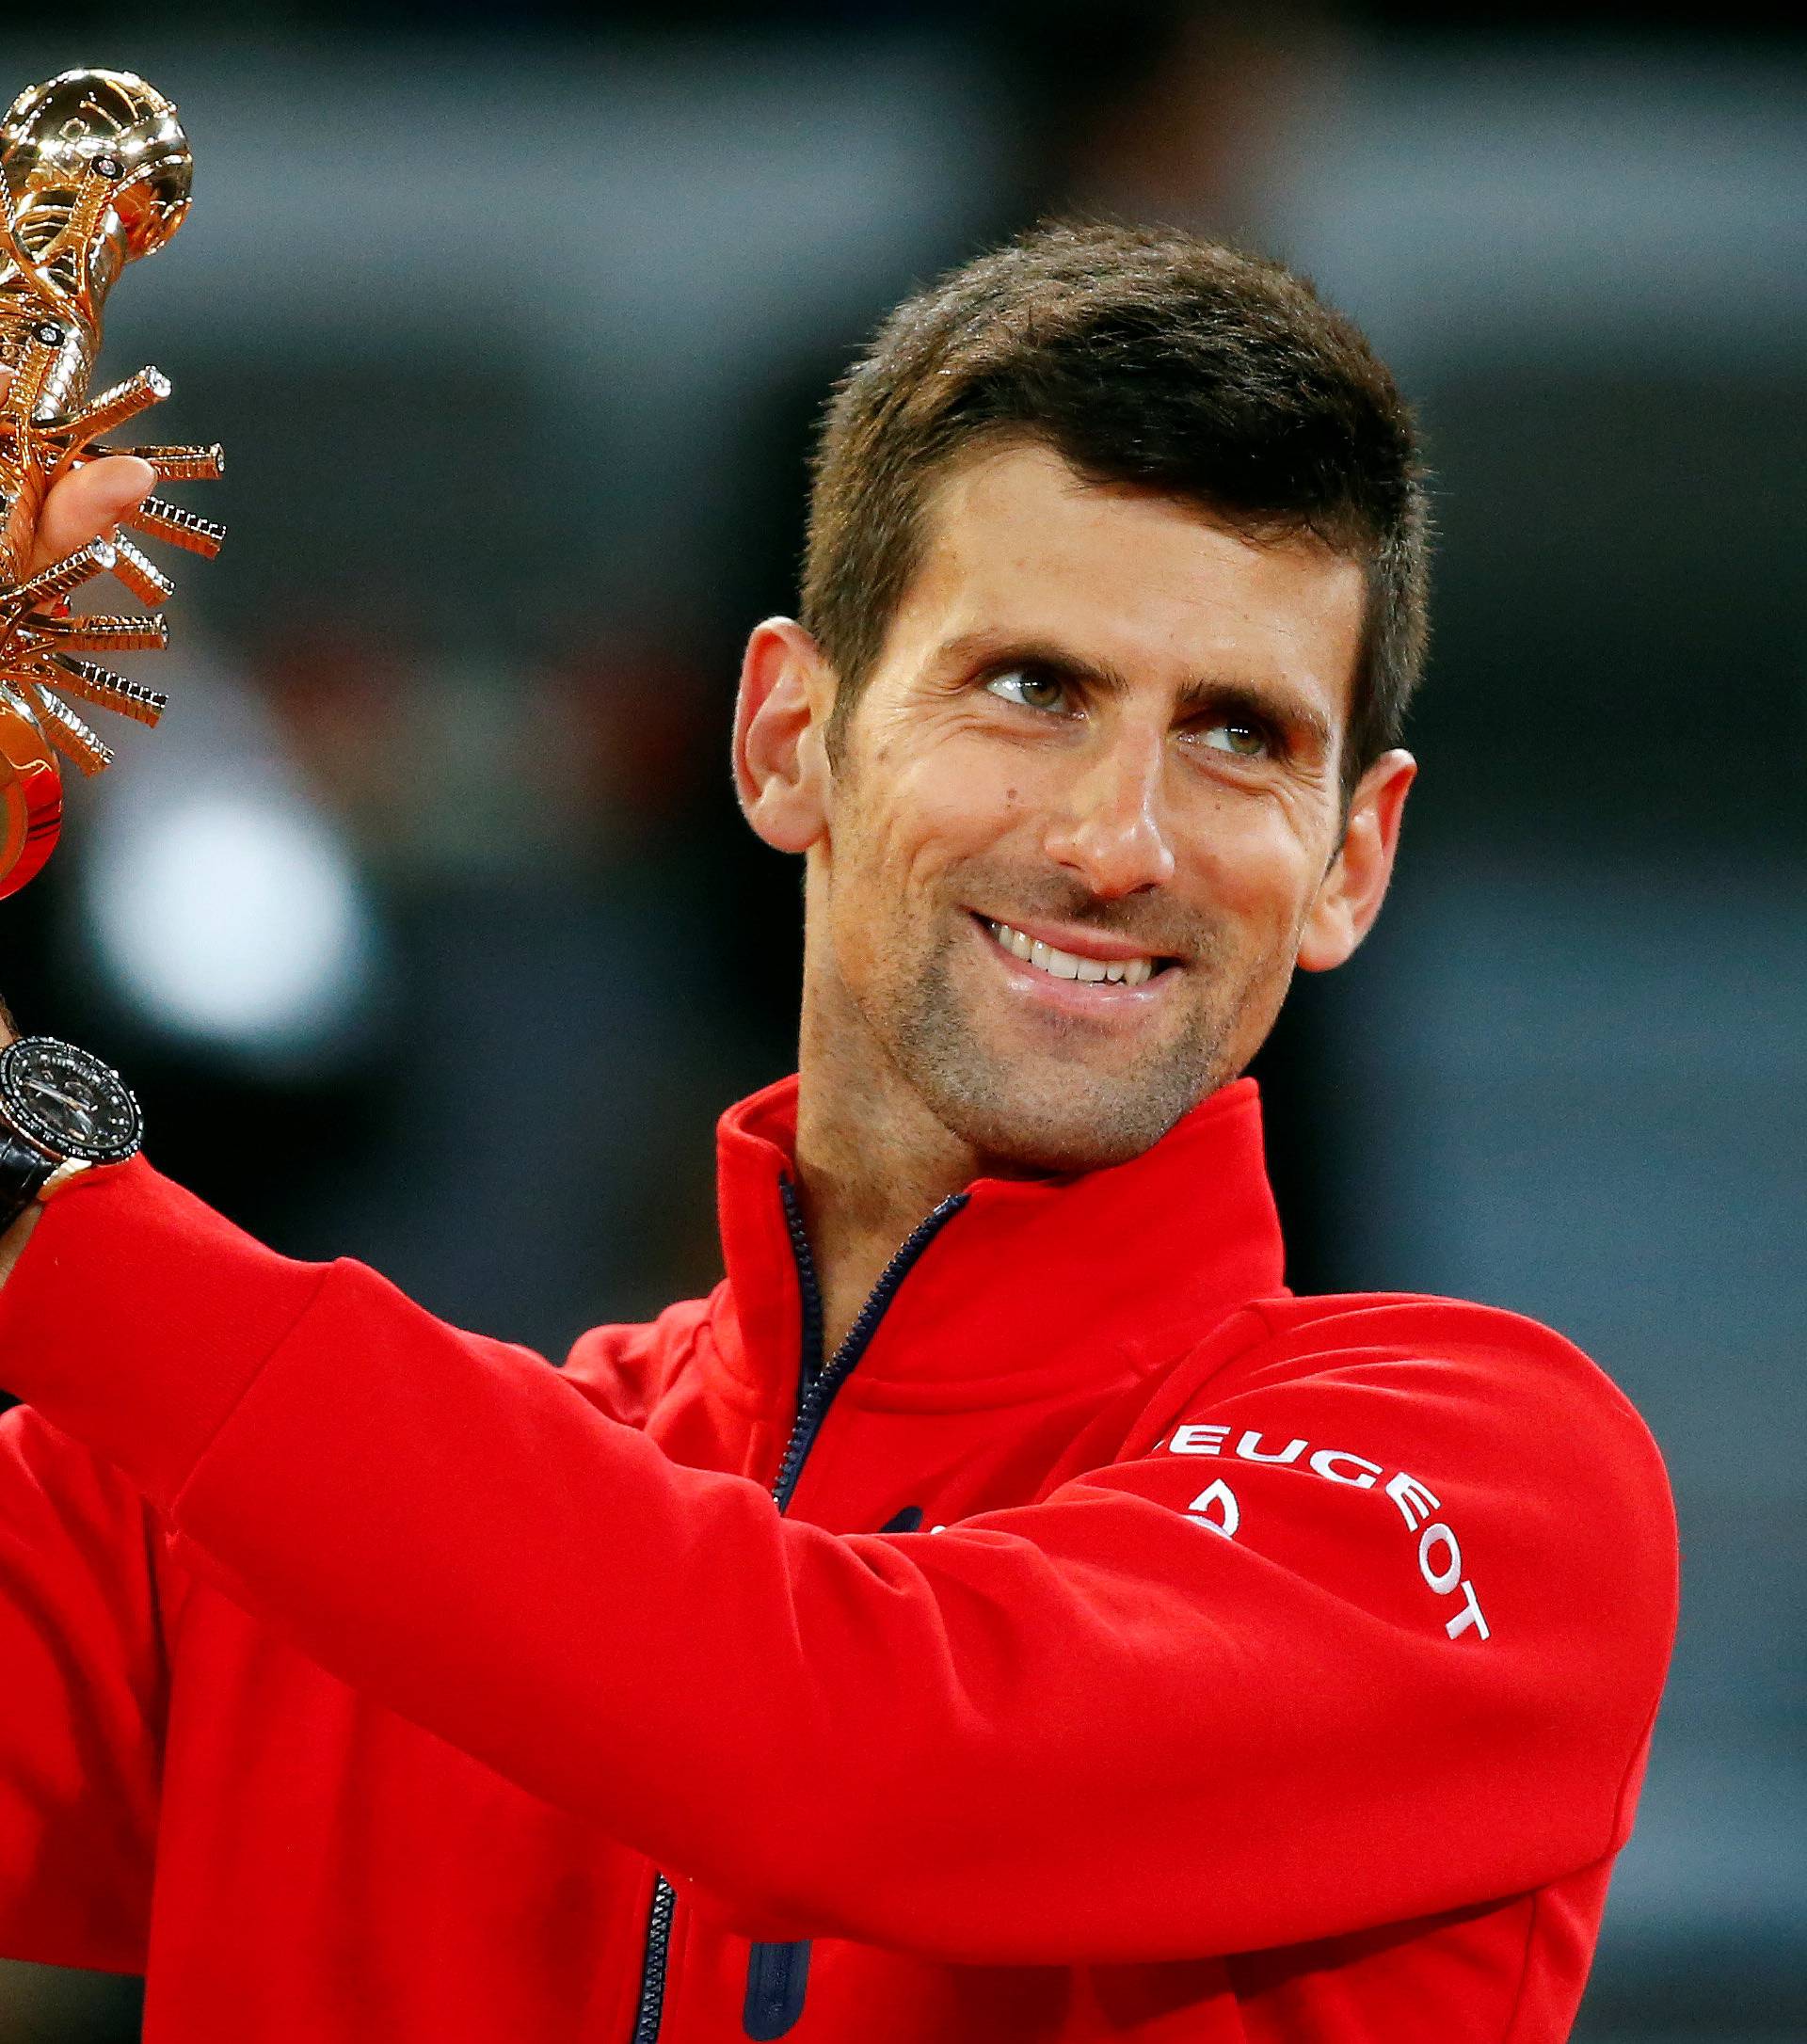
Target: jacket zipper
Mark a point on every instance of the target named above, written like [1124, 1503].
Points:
[817, 1383]
[652, 1971]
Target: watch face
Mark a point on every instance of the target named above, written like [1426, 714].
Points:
[69, 1101]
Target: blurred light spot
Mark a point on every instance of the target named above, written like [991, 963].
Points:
[237, 922]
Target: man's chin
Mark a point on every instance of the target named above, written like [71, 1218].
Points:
[1018, 1130]
[1041, 1096]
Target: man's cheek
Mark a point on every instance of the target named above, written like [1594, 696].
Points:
[966, 791]
[1256, 893]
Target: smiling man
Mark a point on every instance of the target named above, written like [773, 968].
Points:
[1001, 1609]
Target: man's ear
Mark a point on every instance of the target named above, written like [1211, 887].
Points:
[781, 763]
[1349, 896]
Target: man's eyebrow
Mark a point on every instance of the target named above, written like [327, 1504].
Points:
[1198, 692]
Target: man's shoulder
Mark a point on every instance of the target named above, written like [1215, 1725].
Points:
[1464, 1468]
[1336, 1323]
[1475, 1380]
[1427, 1343]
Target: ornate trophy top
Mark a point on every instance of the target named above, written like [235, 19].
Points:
[94, 172]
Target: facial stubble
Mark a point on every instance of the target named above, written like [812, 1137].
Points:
[1055, 1107]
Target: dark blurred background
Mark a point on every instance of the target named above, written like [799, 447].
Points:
[427, 928]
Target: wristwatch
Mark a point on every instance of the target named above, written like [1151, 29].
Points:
[62, 1112]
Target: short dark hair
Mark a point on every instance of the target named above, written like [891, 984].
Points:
[1144, 357]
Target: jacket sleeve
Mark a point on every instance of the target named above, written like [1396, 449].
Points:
[81, 1682]
[1369, 1622]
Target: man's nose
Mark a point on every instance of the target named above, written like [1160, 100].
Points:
[1111, 830]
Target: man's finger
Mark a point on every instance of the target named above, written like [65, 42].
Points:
[86, 504]
[90, 502]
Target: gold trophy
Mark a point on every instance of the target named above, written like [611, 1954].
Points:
[94, 172]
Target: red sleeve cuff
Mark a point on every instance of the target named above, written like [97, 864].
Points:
[136, 1317]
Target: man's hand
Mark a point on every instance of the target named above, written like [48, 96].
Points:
[80, 506]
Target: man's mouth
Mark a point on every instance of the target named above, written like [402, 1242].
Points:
[1068, 965]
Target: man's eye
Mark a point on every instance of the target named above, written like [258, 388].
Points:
[1032, 690]
[1246, 740]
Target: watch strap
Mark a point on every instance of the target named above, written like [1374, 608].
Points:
[24, 1168]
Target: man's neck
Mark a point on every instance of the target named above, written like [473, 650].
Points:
[863, 1192]
[872, 1159]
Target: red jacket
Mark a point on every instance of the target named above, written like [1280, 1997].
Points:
[1260, 1668]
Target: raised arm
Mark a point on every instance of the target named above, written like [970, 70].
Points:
[1227, 1691]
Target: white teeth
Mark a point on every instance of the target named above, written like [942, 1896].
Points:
[1071, 964]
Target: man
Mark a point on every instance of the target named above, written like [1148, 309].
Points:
[1002, 1610]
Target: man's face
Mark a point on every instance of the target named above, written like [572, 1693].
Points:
[1104, 731]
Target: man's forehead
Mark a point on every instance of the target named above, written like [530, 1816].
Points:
[1017, 544]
